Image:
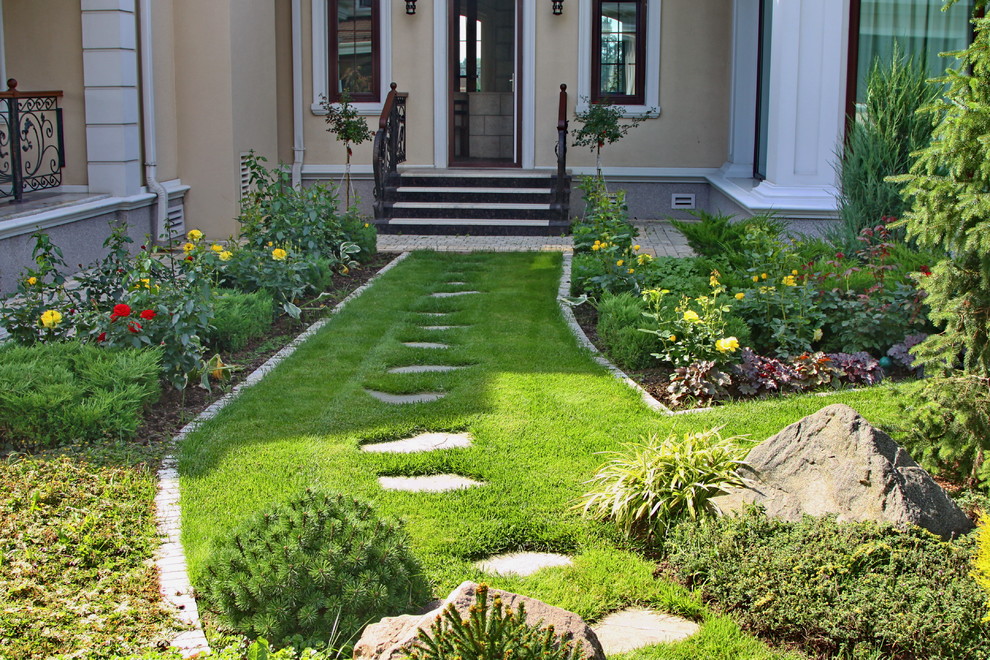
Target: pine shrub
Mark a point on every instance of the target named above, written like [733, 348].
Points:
[491, 632]
[315, 568]
[239, 317]
[848, 590]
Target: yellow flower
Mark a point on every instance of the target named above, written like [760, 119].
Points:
[270, 244]
[225, 255]
[727, 345]
[818, 334]
[31, 281]
[366, 225]
[51, 318]
[596, 247]
[620, 262]
[188, 247]
[789, 280]
[643, 259]
[636, 247]
[756, 278]
[672, 338]
[794, 272]
[143, 283]
[194, 235]
[278, 254]
[691, 316]
[713, 281]
[763, 276]
[740, 295]
[631, 271]
[216, 248]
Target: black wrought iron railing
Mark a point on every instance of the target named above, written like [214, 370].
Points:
[562, 189]
[389, 148]
[32, 144]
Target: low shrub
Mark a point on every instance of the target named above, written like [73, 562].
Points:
[656, 483]
[585, 268]
[620, 318]
[57, 394]
[312, 567]
[363, 234]
[256, 650]
[239, 317]
[491, 632]
[846, 590]
[694, 329]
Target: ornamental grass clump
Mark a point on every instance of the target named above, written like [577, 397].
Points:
[317, 567]
[490, 632]
[656, 483]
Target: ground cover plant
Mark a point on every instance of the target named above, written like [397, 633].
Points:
[539, 411]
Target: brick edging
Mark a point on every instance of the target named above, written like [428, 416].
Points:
[174, 584]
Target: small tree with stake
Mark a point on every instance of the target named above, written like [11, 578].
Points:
[350, 128]
[600, 125]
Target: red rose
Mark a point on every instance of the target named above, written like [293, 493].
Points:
[148, 314]
[134, 327]
[102, 337]
[925, 271]
[119, 311]
[189, 258]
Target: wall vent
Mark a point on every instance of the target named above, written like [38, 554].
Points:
[682, 201]
[245, 176]
[177, 220]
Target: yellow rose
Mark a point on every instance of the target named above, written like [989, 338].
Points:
[51, 318]
[596, 247]
[31, 281]
[672, 338]
[691, 316]
[216, 248]
[188, 247]
[278, 254]
[740, 295]
[794, 272]
[366, 225]
[620, 262]
[225, 255]
[756, 278]
[194, 235]
[818, 334]
[636, 247]
[789, 281]
[270, 244]
[727, 345]
[631, 271]
[763, 276]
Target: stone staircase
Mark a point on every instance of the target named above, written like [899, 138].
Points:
[497, 201]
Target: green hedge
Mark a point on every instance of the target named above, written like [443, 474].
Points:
[57, 394]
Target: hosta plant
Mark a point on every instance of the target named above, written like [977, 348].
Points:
[658, 482]
[490, 632]
[314, 567]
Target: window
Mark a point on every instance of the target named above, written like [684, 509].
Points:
[354, 50]
[618, 57]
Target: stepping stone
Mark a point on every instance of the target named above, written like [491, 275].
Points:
[422, 397]
[451, 294]
[457, 283]
[434, 313]
[434, 483]
[422, 442]
[522, 563]
[424, 369]
[425, 344]
[635, 628]
[443, 327]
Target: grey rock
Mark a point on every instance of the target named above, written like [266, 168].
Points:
[835, 462]
[387, 639]
[402, 399]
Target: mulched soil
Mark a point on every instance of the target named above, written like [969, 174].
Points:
[176, 408]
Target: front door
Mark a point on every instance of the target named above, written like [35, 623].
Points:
[484, 79]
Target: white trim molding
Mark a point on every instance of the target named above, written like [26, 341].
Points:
[742, 101]
[321, 56]
[652, 74]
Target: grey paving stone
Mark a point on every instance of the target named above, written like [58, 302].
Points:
[434, 483]
[443, 327]
[400, 399]
[635, 628]
[424, 369]
[421, 442]
[522, 563]
[452, 294]
[425, 344]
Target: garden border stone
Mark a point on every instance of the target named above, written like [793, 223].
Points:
[170, 559]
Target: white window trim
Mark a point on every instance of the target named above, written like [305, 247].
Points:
[321, 57]
[651, 75]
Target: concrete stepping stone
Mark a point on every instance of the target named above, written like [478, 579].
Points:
[634, 628]
[425, 344]
[421, 442]
[436, 314]
[457, 283]
[398, 399]
[451, 294]
[522, 563]
[443, 327]
[433, 483]
[424, 369]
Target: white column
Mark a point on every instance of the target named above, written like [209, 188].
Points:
[742, 107]
[807, 101]
[110, 79]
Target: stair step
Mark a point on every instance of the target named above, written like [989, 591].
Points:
[470, 190]
[477, 172]
[494, 222]
[470, 205]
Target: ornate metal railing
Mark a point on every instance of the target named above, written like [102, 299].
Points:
[32, 145]
[389, 148]
[562, 188]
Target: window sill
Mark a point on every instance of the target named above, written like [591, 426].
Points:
[629, 111]
[364, 109]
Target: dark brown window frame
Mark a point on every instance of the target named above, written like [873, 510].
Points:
[333, 54]
[596, 56]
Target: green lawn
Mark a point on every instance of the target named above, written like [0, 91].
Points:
[538, 407]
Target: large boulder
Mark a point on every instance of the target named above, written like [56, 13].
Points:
[387, 639]
[835, 462]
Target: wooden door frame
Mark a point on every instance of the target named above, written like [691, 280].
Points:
[517, 87]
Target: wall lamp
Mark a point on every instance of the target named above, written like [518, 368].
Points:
[558, 7]
[410, 6]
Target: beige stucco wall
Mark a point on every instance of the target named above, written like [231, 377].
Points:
[283, 73]
[166, 118]
[254, 102]
[43, 50]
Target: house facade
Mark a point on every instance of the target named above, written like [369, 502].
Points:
[161, 99]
